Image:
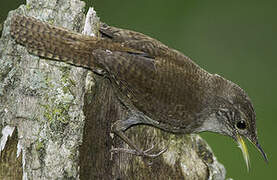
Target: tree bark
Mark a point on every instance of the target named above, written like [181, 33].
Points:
[63, 114]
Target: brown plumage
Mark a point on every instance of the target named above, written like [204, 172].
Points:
[162, 87]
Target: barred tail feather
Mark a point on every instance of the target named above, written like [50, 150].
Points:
[53, 42]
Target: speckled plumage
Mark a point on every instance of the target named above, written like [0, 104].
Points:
[159, 82]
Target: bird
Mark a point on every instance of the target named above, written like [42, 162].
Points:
[160, 86]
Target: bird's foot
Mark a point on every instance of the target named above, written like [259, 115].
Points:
[142, 153]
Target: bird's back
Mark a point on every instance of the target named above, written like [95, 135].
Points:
[160, 82]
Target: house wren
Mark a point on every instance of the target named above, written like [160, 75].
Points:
[160, 86]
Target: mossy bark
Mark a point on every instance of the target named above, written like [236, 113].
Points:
[64, 114]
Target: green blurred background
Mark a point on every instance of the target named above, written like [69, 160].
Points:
[236, 39]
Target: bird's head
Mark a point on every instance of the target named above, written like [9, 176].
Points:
[236, 114]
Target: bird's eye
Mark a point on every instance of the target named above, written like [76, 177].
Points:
[241, 124]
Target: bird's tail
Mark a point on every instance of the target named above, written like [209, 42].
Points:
[53, 42]
[57, 43]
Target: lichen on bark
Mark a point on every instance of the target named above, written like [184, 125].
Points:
[44, 98]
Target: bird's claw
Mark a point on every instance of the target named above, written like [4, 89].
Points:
[144, 153]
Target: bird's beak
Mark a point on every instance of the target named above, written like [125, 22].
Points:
[259, 147]
[244, 150]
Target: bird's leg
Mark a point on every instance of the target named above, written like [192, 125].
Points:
[120, 126]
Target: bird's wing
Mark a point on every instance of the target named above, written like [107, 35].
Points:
[135, 40]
